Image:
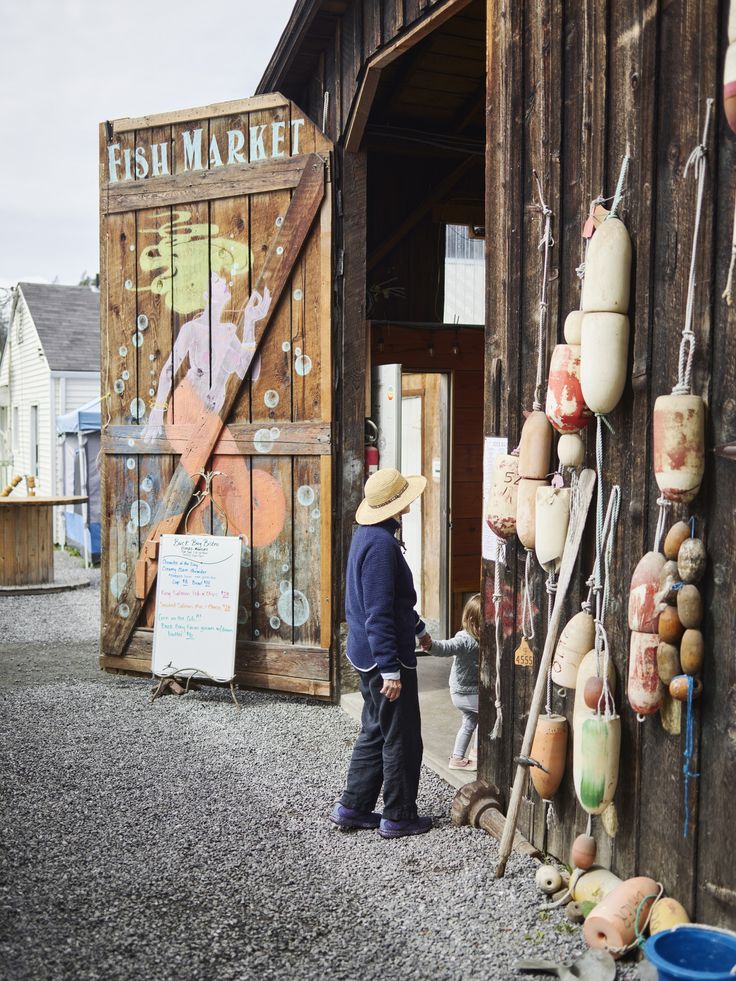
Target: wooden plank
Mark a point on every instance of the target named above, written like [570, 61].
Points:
[292, 235]
[212, 111]
[238, 438]
[204, 185]
[153, 345]
[306, 578]
[272, 550]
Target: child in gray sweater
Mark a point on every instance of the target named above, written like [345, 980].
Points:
[464, 649]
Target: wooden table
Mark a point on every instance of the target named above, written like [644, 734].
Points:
[27, 538]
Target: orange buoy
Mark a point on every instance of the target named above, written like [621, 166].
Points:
[603, 359]
[549, 748]
[535, 446]
[678, 425]
[643, 613]
[669, 627]
[608, 269]
[526, 497]
[645, 691]
[565, 405]
[583, 852]
[611, 924]
[680, 684]
[551, 518]
[501, 504]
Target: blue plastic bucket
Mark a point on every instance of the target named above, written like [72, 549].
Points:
[693, 953]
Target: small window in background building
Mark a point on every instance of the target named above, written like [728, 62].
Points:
[465, 276]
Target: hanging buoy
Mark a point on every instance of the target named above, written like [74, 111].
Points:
[644, 689]
[583, 852]
[691, 560]
[573, 327]
[603, 359]
[668, 662]
[565, 406]
[608, 269]
[669, 578]
[550, 749]
[611, 925]
[691, 651]
[501, 504]
[677, 534]
[729, 85]
[689, 606]
[596, 751]
[571, 450]
[535, 446]
[669, 627]
[575, 641]
[643, 614]
[525, 510]
[679, 687]
[678, 425]
[589, 669]
[552, 516]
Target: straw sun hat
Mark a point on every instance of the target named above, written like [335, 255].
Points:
[386, 493]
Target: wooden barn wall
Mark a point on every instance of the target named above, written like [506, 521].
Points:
[569, 86]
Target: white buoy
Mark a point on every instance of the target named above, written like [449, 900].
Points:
[603, 359]
[608, 269]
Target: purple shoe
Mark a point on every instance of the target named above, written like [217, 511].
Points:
[399, 829]
[347, 818]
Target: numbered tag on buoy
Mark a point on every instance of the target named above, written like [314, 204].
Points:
[524, 655]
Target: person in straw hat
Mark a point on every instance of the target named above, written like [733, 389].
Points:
[383, 630]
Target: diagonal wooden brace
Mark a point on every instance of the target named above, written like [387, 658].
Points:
[277, 269]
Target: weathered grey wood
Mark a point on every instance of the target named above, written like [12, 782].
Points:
[203, 185]
[299, 437]
[274, 274]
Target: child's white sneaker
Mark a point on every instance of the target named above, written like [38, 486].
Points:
[461, 763]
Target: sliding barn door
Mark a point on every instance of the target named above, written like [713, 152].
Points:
[216, 369]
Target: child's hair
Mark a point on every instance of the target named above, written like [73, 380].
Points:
[472, 621]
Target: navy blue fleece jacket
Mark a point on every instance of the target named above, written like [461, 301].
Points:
[379, 602]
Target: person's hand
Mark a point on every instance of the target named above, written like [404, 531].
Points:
[425, 641]
[391, 689]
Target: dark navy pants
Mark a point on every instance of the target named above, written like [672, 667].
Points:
[388, 751]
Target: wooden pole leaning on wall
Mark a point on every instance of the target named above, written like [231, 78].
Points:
[569, 558]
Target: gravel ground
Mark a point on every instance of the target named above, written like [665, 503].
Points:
[183, 839]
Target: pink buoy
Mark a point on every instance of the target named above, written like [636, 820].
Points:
[565, 406]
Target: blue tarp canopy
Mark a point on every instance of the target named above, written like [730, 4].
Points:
[82, 420]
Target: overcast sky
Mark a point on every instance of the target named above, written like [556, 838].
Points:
[69, 64]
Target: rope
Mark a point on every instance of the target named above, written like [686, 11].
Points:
[696, 160]
[497, 604]
[688, 754]
[639, 931]
[551, 819]
[619, 192]
[604, 541]
[527, 617]
[664, 505]
[727, 294]
[545, 244]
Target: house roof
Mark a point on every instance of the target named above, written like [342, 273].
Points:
[67, 319]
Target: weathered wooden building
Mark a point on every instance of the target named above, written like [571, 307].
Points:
[425, 116]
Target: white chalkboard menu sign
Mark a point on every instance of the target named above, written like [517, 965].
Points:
[197, 588]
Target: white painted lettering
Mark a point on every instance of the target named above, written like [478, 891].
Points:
[128, 154]
[192, 142]
[235, 143]
[257, 149]
[113, 162]
[278, 132]
[295, 125]
[141, 164]
[215, 158]
[159, 161]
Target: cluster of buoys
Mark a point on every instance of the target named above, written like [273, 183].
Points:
[9, 488]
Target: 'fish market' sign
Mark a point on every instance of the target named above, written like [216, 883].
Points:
[266, 141]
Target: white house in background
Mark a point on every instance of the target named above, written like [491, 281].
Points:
[49, 366]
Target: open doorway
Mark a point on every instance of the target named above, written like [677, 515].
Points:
[425, 299]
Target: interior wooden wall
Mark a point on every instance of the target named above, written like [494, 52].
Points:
[570, 85]
[410, 347]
